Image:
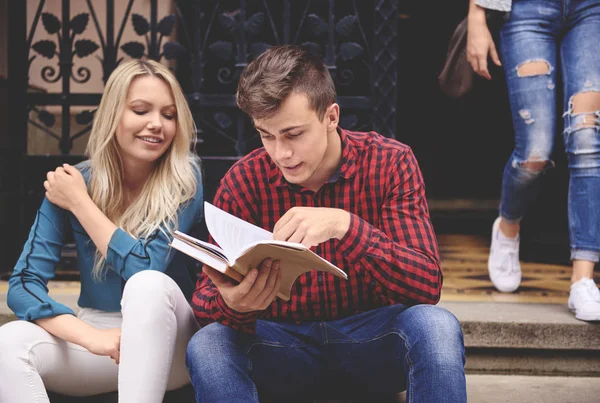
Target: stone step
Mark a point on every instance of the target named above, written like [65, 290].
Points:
[532, 389]
[530, 338]
[480, 389]
[516, 338]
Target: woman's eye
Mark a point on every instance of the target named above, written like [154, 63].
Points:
[139, 112]
[169, 117]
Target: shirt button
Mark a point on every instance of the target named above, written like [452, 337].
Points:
[320, 278]
[373, 283]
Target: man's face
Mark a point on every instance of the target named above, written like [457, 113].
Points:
[298, 142]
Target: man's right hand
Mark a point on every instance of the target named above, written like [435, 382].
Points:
[254, 293]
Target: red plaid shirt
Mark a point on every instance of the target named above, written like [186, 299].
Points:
[389, 252]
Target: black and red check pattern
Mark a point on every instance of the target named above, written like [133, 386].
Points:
[390, 251]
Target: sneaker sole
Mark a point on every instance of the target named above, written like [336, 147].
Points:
[586, 317]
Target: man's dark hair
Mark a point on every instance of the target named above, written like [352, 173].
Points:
[267, 81]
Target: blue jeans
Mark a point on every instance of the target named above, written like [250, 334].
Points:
[564, 35]
[373, 354]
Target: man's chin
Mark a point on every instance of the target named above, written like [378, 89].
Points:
[295, 179]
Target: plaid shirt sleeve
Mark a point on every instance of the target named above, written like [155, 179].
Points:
[207, 303]
[399, 255]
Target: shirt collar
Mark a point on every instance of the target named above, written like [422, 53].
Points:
[346, 168]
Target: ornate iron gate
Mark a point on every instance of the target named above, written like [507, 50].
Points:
[207, 43]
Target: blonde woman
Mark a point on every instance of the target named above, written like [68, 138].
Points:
[140, 183]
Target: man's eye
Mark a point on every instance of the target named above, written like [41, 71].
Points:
[296, 134]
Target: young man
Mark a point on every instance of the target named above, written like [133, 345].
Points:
[358, 200]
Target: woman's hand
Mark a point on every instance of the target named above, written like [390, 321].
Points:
[105, 342]
[66, 187]
[480, 43]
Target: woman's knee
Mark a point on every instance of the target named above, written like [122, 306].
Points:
[582, 129]
[148, 287]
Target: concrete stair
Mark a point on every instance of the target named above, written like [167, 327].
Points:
[516, 352]
[527, 339]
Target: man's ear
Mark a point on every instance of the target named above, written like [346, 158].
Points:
[332, 117]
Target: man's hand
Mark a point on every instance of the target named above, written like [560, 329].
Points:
[105, 342]
[256, 291]
[65, 187]
[312, 225]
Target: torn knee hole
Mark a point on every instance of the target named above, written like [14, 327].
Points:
[535, 166]
[536, 68]
[589, 120]
[588, 103]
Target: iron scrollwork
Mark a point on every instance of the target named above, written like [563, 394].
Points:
[215, 40]
[80, 48]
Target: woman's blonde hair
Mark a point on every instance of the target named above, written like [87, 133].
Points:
[173, 179]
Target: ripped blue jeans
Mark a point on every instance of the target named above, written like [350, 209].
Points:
[540, 40]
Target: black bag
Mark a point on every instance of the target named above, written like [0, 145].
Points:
[456, 78]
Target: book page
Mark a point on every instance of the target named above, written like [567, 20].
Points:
[200, 255]
[201, 244]
[232, 233]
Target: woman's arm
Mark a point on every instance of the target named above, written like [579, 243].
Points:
[74, 330]
[66, 188]
[28, 284]
[28, 291]
[480, 43]
[125, 254]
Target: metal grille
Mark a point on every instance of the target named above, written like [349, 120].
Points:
[207, 43]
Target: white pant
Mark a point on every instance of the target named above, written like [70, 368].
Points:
[156, 324]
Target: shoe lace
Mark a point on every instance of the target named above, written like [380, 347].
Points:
[510, 254]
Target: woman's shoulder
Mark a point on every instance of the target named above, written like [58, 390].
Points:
[85, 168]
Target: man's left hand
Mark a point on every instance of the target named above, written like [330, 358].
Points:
[312, 225]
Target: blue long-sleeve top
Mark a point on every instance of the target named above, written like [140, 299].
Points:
[28, 292]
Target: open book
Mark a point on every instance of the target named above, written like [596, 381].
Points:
[244, 246]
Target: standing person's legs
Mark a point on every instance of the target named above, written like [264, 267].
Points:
[580, 51]
[528, 50]
[281, 359]
[32, 360]
[158, 323]
[382, 352]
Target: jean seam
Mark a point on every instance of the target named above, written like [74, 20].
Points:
[329, 328]
[30, 374]
[407, 346]
[409, 363]
[263, 343]
[30, 361]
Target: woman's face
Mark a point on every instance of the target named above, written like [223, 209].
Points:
[148, 123]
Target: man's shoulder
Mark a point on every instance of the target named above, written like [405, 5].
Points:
[250, 167]
[373, 142]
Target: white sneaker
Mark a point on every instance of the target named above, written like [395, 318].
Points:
[584, 300]
[503, 264]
